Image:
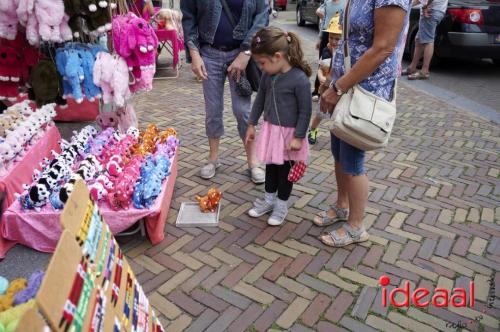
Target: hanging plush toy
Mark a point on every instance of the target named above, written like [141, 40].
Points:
[46, 83]
[70, 67]
[111, 74]
[8, 19]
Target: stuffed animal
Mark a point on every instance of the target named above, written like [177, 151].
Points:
[9, 319]
[143, 42]
[7, 299]
[31, 289]
[91, 90]
[8, 19]
[50, 14]
[98, 14]
[70, 67]
[107, 120]
[11, 64]
[209, 202]
[97, 191]
[111, 74]
[46, 83]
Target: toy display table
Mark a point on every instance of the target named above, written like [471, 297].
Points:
[21, 172]
[41, 230]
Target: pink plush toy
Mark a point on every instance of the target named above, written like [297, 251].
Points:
[49, 14]
[143, 41]
[111, 74]
[107, 120]
[8, 19]
[97, 191]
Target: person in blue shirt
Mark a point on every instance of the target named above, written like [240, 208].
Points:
[376, 31]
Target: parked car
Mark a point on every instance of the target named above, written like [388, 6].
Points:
[469, 29]
[280, 4]
[306, 11]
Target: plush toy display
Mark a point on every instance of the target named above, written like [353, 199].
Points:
[106, 162]
[20, 127]
[9, 319]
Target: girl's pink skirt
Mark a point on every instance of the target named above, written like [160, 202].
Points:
[272, 146]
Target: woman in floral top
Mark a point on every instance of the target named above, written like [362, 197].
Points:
[377, 35]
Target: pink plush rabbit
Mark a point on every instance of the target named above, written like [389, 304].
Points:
[8, 19]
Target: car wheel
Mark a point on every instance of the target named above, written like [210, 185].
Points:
[300, 20]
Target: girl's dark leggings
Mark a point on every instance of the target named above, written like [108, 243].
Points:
[277, 180]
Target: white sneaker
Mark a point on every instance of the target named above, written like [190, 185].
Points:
[208, 171]
[261, 207]
[279, 213]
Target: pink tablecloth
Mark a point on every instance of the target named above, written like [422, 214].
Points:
[41, 230]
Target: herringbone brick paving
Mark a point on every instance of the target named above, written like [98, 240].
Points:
[433, 216]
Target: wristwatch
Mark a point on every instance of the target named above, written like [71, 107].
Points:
[247, 52]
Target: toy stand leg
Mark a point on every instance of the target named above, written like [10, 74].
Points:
[140, 228]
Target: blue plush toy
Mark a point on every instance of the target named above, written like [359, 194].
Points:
[73, 73]
[91, 90]
[153, 172]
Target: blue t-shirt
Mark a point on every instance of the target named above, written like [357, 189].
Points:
[331, 7]
[361, 33]
[224, 33]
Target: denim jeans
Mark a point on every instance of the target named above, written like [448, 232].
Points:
[351, 159]
[213, 91]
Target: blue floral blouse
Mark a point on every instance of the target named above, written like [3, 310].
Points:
[361, 33]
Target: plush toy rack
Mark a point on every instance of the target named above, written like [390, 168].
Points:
[41, 230]
[89, 282]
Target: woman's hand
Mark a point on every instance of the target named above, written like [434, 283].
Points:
[250, 136]
[322, 80]
[238, 66]
[198, 66]
[295, 144]
[329, 99]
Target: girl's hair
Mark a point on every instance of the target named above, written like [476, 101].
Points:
[271, 39]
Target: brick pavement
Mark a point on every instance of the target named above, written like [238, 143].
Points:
[433, 216]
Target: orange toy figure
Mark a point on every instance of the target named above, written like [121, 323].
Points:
[148, 141]
[204, 203]
[214, 196]
[166, 133]
[209, 202]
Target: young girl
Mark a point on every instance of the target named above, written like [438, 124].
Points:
[285, 99]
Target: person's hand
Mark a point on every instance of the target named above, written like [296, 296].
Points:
[238, 66]
[250, 136]
[427, 12]
[318, 43]
[295, 144]
[328, 101]
[198, 66]
[322, 80]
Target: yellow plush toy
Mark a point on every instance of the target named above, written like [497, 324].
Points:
[15, 286]
[10, 318]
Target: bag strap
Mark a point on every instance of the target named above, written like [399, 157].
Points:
[345, 32]
[278, 117]
[229, 14]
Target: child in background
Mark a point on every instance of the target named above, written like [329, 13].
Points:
[334, 36]
[285, 99]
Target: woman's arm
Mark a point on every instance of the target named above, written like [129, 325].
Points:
[189, 24]
[259, 21]
[388, 24]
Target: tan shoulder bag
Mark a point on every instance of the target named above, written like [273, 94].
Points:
[361, 118]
